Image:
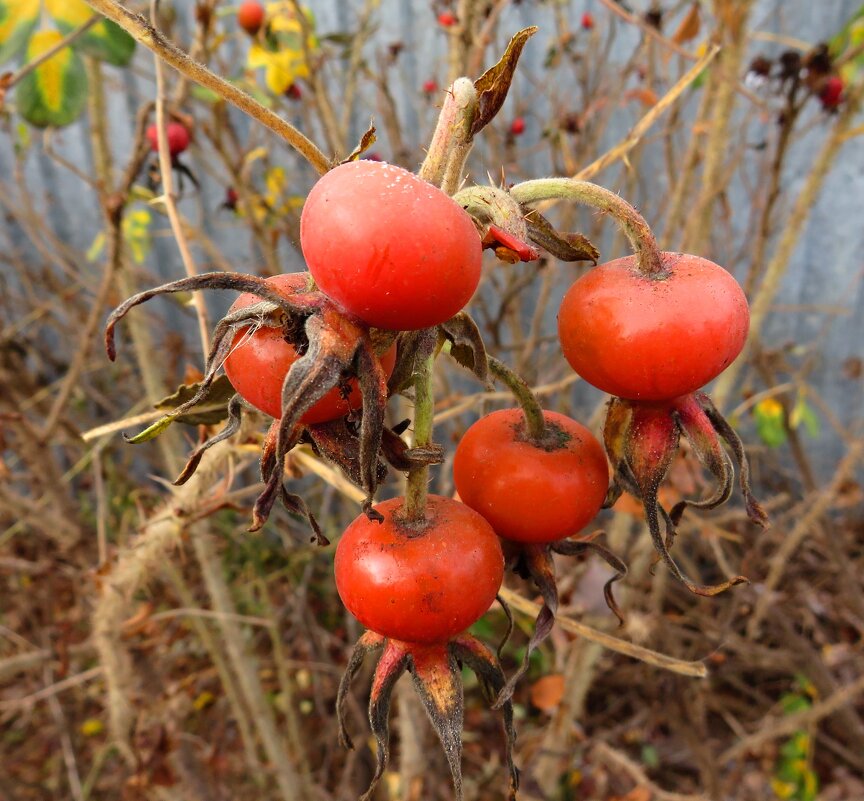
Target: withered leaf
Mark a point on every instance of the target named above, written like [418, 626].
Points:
[212, 410]
[492, 86]
[366, 141]
[466, 344]
[566, 247]
[689, 27]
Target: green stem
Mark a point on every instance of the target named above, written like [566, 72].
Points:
[416, 489]
[522, 392]
[631, 222]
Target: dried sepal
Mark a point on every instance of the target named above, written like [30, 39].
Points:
[466, 344]
[438, 683]
[235, 415]
[641, 441]
[294, 504]
[475, 655]
[754, 509]
[578, 547]
[373, 386]
[338, 442]
[534, 561]
[369, 642]
[273, 478]
[392, 664]
[302, 303]
[412, 348]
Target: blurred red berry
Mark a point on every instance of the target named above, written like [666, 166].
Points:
[430, 87]
[294, 92]
[831, 95]
[231, 199]
[178, 138]
[517, 127]
[446, 19]
[250, 16]
[587, 21]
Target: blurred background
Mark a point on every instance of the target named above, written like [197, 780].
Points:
[150, 647]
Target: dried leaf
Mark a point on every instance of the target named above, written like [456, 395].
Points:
[207, 413]
[566, 247]
[689, 27]
[546, 693]
[467, 346]
[492, 86]
[647, 97]
[366, 141]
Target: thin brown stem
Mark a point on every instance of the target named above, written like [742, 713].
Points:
[148, 36]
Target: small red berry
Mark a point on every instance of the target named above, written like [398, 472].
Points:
[430, 87]
[587, 21]
[294, 92]
[831, 95]
[177, 134]
[231, 199]
[517, 127]
[446, 19]
[250, 16]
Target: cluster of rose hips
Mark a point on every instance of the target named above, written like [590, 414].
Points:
[393, 260]
[797, 76]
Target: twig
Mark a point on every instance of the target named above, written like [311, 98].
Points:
[144, 33]
[73, 775]
[795, 227]
[52, 689]
[616, 758]
[166, 170]
[632, 139]
[789, 724]
[780, 560]
[696, 669]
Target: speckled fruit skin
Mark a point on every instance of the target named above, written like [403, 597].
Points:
[257, 365]
[419, 587]
[391, 249]
[653, 339]
[528, 493]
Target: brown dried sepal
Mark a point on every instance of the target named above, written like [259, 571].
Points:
[535, 562]
[641, 440]
[333, 349]
[435, 671]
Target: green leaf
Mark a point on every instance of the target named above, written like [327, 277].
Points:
[105, 40]
[55, 93]
[803, 414]
[17, 20]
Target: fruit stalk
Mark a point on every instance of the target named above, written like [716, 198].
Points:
[631, 222]
[417, 487]
[522, 392]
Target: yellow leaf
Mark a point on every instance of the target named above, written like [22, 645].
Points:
[17, 18]
[92, 727]
[203, 700]
[51, 74]
[770, 408]
[72, 12]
